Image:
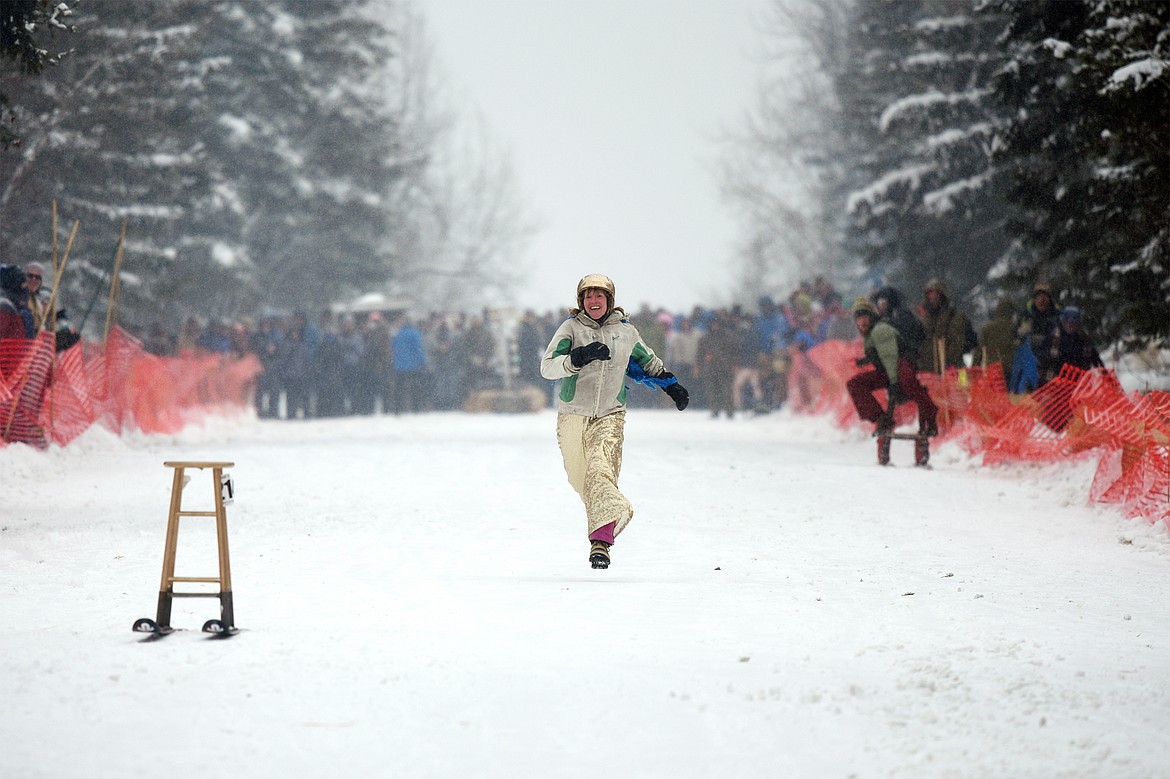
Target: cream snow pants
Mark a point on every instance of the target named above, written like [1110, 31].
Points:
[592, 450]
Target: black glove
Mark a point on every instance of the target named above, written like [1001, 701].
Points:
[896, 395]
[678, 393]
[66, 339]
[583, 355]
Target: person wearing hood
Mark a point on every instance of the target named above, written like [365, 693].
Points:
[591, 353]
[997, 341]
[1074, 347]
[946, 330]
[891, 371]
[888, 302]
[1039, 328]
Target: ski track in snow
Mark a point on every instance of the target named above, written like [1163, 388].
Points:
[414, 600]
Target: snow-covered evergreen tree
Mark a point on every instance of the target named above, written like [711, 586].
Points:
[329, 231]
[246, 144]
[101, 140]
[920, 127]
[261, 156]
[27, 27]
[1088, 152]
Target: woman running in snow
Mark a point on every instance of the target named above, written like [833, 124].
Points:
[591, 353]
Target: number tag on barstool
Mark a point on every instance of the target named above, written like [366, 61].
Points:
[228, 485]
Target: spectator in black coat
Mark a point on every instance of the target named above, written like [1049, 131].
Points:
[13, 311]
[890, 309]
[1074, 347]
[1040, 326]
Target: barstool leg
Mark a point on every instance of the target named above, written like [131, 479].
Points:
[166, 586]
[226, 608]
[227, 612]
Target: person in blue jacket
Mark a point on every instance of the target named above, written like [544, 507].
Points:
[410, 362]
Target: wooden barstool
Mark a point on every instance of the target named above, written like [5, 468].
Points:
[225, 625]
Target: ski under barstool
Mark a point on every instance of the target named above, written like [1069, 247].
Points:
[921, 447]
[226, 624]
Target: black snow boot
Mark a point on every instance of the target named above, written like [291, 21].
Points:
[599, 554]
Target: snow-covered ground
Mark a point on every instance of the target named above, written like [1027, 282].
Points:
[415, 601]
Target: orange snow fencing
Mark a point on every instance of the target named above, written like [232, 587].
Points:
[1079, 414]
[47, 398]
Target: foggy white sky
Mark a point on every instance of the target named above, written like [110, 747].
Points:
[609, 109]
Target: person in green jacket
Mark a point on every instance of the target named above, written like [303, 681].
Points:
[946, 330]
[592, 352]
[997, 339]
[891, 371]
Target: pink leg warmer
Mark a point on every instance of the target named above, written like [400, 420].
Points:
[603, 533]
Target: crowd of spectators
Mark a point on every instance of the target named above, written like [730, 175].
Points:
[26, 303]
[351, 364]
[732, 359]
[385, 362]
